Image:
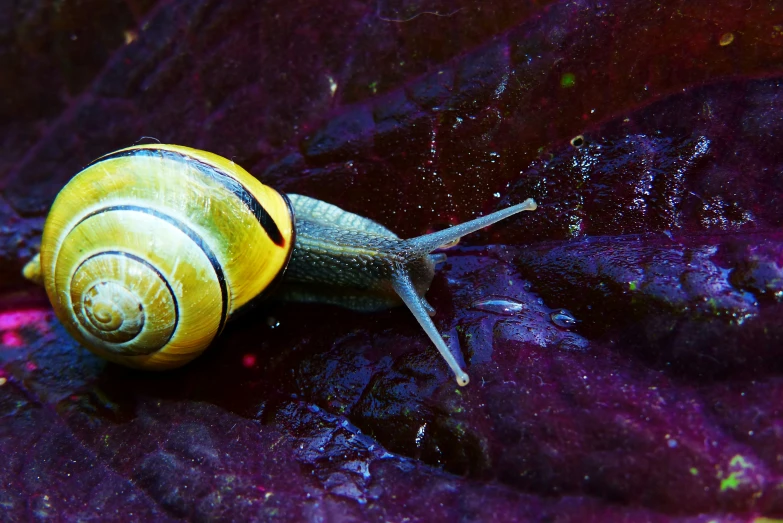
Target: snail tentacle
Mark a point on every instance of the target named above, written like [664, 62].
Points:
[429, 242]
[348, 260]
[405, 289]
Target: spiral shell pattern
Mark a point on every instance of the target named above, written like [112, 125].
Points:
[149, 250]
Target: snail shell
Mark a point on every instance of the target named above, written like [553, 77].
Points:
[147, 251]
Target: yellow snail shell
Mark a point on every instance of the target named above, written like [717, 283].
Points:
[148, 251]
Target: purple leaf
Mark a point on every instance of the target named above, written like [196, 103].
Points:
[623, 340]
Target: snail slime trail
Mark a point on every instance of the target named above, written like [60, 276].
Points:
[151, 221]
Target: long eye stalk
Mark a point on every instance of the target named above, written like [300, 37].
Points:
[404, 287]
[348, 260]
[424, 245]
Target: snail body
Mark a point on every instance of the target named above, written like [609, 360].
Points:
[149, 250]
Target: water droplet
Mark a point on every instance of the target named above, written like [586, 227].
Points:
[499, 305]
[420, 435]
[563, 318]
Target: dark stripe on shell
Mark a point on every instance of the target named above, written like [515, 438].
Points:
[234, 186]
[275, 283]
[152, 268]
[192, 235]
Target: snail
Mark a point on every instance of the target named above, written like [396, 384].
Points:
[148, 251]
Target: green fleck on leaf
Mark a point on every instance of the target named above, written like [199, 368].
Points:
[732, 482]
[738, 466]
[713, 303]
[568, 80]
[740, 461]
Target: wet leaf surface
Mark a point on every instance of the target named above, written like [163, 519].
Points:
[623, 341]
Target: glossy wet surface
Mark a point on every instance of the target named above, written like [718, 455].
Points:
[623, 340]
